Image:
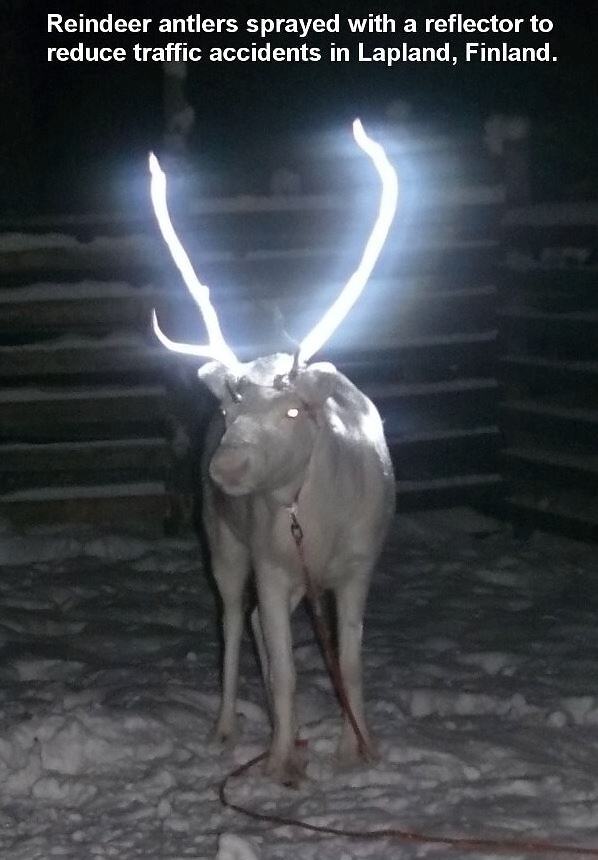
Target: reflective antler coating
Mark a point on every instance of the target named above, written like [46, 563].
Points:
[354, 286]
[217, 347]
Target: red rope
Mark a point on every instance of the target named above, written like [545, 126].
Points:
[323, 636]
[500, 845]
[413, 836]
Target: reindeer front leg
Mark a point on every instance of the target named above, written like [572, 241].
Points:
[230, 566]
[275, 597]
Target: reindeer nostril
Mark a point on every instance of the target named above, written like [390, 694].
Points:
[229, 467]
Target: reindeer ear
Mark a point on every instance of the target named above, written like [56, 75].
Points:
[214, 374]
[317, 382]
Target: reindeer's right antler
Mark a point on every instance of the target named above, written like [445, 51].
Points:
[217, 347]
[336, 313]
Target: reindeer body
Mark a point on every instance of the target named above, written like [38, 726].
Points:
[295, 437]
[336, 471]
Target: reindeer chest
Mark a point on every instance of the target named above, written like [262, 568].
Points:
[290, 540]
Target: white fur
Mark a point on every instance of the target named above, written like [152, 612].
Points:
[332, 460]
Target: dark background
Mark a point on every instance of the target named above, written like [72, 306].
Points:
[72, 132]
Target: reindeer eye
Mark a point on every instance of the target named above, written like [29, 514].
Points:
[292, 413]
[223, 413]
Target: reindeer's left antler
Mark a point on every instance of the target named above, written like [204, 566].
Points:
[354, 286]
[217, 347]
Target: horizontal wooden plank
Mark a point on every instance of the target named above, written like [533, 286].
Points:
[42, 360]
[558, 237]
[564, 214]
[529, 516]
[78, 491]
[441, 454]
[149, 260]
[542, 375]
[245, 205]
[108, 461]
[113, 504]
[547, 365]
[526, 316]
[432, 287]
[559, 290]
[548, 422]
[83, 315]
[413, 359]
[465, 213]
[50, 414]
[388, 390]
[463, 315]
[429, 358]
[553, 466]
[446, 492]
[548, 410]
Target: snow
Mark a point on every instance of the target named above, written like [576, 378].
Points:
[480, 659]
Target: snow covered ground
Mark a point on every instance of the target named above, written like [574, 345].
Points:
[481, 659]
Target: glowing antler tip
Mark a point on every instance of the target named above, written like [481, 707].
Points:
[154, 164]
[358, 130]
[156, 326]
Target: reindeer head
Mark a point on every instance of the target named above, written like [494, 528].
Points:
[271, 405]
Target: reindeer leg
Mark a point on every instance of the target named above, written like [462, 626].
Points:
[350, 600]
[276, 600]
[231, 566]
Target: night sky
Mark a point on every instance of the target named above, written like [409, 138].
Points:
[87, 119]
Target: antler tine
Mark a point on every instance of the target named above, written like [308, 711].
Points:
[217, 347]
[295, 368]
[318, 336]
[183, 348]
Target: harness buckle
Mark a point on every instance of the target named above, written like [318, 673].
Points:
[296, 530]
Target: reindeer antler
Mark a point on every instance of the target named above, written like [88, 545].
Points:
[317, 337]
[336, 313]
[217, 347]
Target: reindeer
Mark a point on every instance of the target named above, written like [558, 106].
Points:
[292, 439]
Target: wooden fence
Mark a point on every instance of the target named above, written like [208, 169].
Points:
[549, 367]
[88, 427]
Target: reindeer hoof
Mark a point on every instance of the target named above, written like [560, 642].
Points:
[224, 733]
[348, 754]
[289, 771]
